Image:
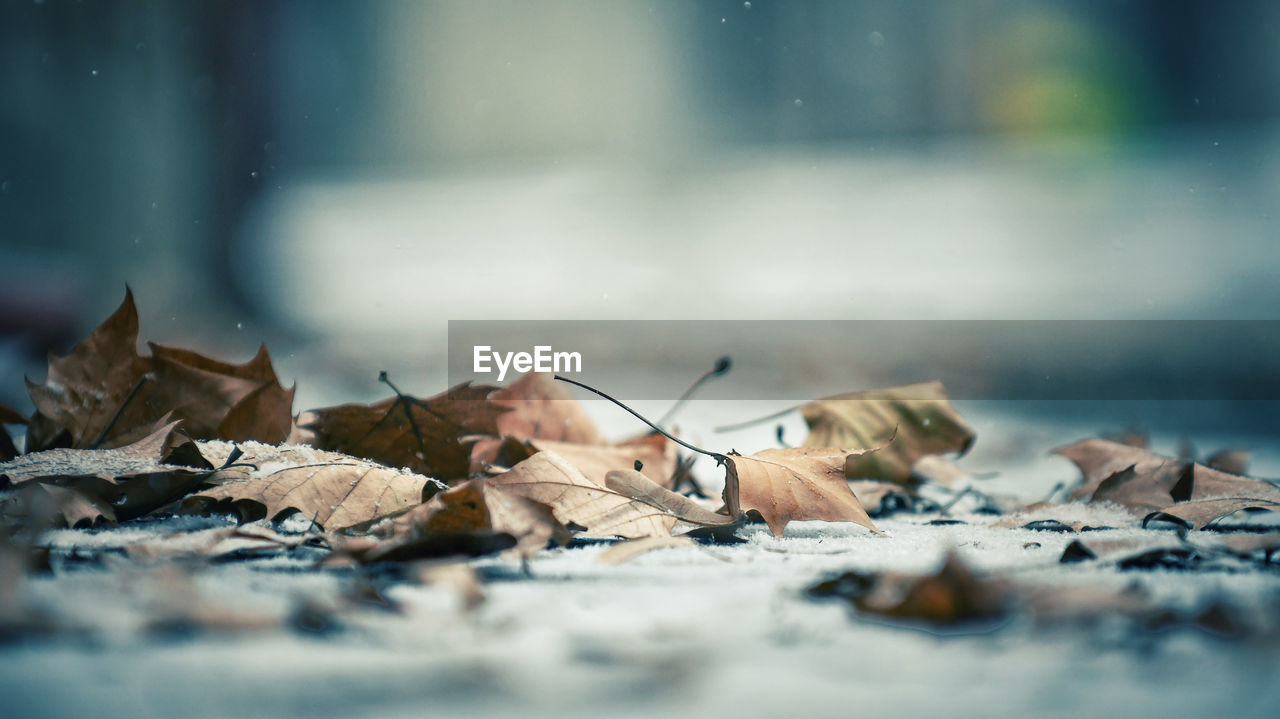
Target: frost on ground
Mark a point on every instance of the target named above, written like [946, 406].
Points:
[685, 630]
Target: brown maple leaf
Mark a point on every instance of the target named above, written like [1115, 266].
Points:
[105, 394]
[334, 490]
[1100, 459]
[794, 484]
[918, 417]
[432, 436]
[111, 484]
[79, 402]
[1156, 486]
[219, 400]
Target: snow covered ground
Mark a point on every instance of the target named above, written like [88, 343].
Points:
[684, 631]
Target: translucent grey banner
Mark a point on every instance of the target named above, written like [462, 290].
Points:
[998, 359]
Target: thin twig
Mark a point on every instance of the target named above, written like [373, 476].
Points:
[719, 458]
[721, 367]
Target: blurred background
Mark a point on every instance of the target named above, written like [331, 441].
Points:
[340, 179]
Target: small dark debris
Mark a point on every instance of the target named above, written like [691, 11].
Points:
[849, 585]
[1162, 559]
[1049, 525]
[1076, 552]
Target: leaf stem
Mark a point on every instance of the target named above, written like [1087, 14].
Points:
[720, 458]
[722, 366]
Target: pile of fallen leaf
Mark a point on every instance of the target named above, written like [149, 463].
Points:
[422, 484]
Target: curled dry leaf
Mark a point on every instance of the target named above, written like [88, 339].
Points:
[432, 436]
[921, 415]
[1200, 513]
[637, 486]
[246, 539]
[798, 483]
[334, 490]
[576, 500]
[111, 484]
[473, 518]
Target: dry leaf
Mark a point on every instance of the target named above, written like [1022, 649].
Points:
[1203, 482]
[576, 500]
[1153, 485]
[85, 390]
[1099, 459]
[472, 518]
[431, 436]
[105, 394]
[238, 403]
[112, 484]
[794, 484]
[214, 543]
[1138, 493]
[953, 595]
[923, 419]
[334, 490]
[1200, 513]
[1159, 487]
[637, 486]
